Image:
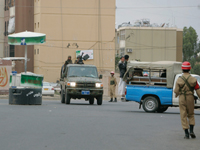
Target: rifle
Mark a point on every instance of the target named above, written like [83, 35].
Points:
[195, 99]
[81, 59]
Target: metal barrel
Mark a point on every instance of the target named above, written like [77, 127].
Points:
[25, 96]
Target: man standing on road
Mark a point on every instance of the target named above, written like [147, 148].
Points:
[185, 86]
[126, 60]
[122, 84]
[69, 60]
[113, 83]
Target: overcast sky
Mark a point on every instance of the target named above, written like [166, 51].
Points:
[158, 13]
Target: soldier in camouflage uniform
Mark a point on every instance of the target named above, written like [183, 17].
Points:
[113, 83]
[63, 69]
[78, 60]
[69, 60]
[185, 86]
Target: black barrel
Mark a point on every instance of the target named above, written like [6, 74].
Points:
[25, 96]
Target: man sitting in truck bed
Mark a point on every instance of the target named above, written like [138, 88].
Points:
[163, 75]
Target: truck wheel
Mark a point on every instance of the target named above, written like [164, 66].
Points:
[150, 104]
[67, 98]
[99, 100]
[62, 96]
[91, 101]
[162, 109]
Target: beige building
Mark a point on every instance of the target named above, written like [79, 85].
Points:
[72, 25]
[2, 28]
[150, 43]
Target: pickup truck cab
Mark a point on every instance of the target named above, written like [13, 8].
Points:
[154, 92]
[81, 81]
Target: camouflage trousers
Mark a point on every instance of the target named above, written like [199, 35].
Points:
[112, 91]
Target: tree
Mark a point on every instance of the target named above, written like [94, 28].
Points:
[190, 46]
[198, 48]
[196, 69]
[117, 59]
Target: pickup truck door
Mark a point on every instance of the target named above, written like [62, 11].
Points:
[175, 100]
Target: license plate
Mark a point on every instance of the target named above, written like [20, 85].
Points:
[85, 92]
[46, 89]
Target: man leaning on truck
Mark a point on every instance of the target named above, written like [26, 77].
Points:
[185, 86]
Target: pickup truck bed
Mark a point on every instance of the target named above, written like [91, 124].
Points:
[138, 92]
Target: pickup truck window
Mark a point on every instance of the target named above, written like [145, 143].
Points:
[82, 72]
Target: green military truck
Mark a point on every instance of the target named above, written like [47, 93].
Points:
[81, 81]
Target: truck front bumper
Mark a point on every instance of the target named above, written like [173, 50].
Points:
[78, 92]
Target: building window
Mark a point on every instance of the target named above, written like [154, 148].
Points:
[35, 25]
[117, 38]
[38, 24]
[12, 51]
[37, 51]
[122, 51]
[122, 35]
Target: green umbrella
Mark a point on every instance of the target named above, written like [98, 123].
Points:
[26, 38]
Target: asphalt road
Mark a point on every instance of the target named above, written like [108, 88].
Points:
[80, 126]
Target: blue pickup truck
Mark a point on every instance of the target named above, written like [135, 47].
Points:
[153, 92]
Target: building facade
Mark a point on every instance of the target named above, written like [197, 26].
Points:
[2, 28]
[18, 17]
[150, 43]
[70, 26]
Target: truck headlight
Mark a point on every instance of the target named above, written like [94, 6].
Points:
[72, 84]
[98, 85]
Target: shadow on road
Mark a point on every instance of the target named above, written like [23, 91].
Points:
[143, 112]
[81, 104]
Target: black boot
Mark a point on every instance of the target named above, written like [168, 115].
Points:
[186, 134]
[115, 100]
[192, 132]
[111, 100]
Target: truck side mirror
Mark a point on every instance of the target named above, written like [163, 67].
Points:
[100, 76]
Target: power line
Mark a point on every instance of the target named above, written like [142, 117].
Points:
[145, 47]
[140, 7]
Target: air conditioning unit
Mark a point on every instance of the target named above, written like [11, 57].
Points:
[129, 50]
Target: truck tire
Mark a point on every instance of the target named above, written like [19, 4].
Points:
[162, 109]
[99, 100]
[91, 101]
[62, 96]
[67, 98]
[150, 104]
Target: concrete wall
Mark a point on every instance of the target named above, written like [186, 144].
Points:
[2, 28]
[179, 52]
[24, 20]
[73, 22]
[6, 19]
[152, 43]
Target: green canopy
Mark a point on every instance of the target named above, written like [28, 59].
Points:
[26, 38]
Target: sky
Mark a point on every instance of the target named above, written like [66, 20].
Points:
[175, 12]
